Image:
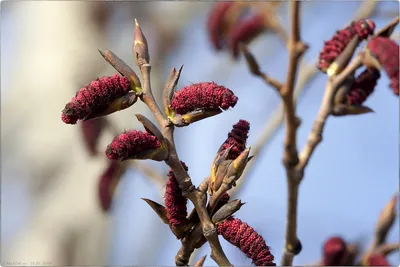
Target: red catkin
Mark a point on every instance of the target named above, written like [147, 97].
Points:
[175, 203]
[334, 252]
[215, 23]
[95, 97]
[205, 96]
[245, 31]
[237, 138]
[377, 260]
[131, 143]
[387, 53]
[362, 87]
[107, 183]
[91, 131]
[334, 47]
[241, 235]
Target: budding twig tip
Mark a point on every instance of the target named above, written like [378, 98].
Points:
[137, 23]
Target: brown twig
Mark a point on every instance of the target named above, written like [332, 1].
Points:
[307, 72]
[167, 128]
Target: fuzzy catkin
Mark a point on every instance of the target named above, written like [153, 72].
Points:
[204, 96]
[91, 131]
[362, 87]
[241, 235]
[131, 143]
[245, 31]
[334, 252]
[175, 202]
[237, 138]
[387, 53]
[335, 46]
[94, 97]
[215, 23]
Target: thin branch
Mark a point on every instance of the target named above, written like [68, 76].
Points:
[185, 184]
[290, 156]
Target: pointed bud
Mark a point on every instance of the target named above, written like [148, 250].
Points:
[237, 167]
[170, 88]
[344, 58]
[384, 52]
[201, 261]
[344, 110]
[108, 183]
[201, 100]
[388, 29]
[159, 209]
[334, 252]
[140, 47]
[244, 237]
[334, 47]
[122, 68]
[91, 131]
[227, 210]
[386, 220]
[192, 116]
[101, 97]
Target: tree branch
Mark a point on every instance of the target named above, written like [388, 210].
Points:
[185, 184]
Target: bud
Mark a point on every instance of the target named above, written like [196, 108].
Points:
[99, 98]
[245, 31]
[381, 51]
[199, 101]
[227, 210]
[140, 48]
[201, 261]
[175, 202]
[108, 182]
[376, 260]
[244, 237]
[215, 24]
[136, 145]
[334, 252]
[231, 156]
[334, 47]
[122, 68]
[91, 131]
[159, 209]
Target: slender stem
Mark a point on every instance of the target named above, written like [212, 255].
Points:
[185, 183]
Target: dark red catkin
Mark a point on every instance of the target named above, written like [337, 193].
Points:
[237, 138]
[91, 131]
[334, 252]
[107, 183]
[245, 31]
[131, 143]
[377, 260]
[94, 97]
[175, 203]
[205, 96]
[387, 53]
[362, 87]
[241, 235]
[334, 47]
[215, 23]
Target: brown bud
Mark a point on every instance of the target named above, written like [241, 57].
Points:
[122, 68]
[200, 262]
[170, 89]
[140, 47]
[227, 210]
[159, 209]
[343, 110]
[344, 58]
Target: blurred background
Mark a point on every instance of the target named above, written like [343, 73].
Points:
[50, 212]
